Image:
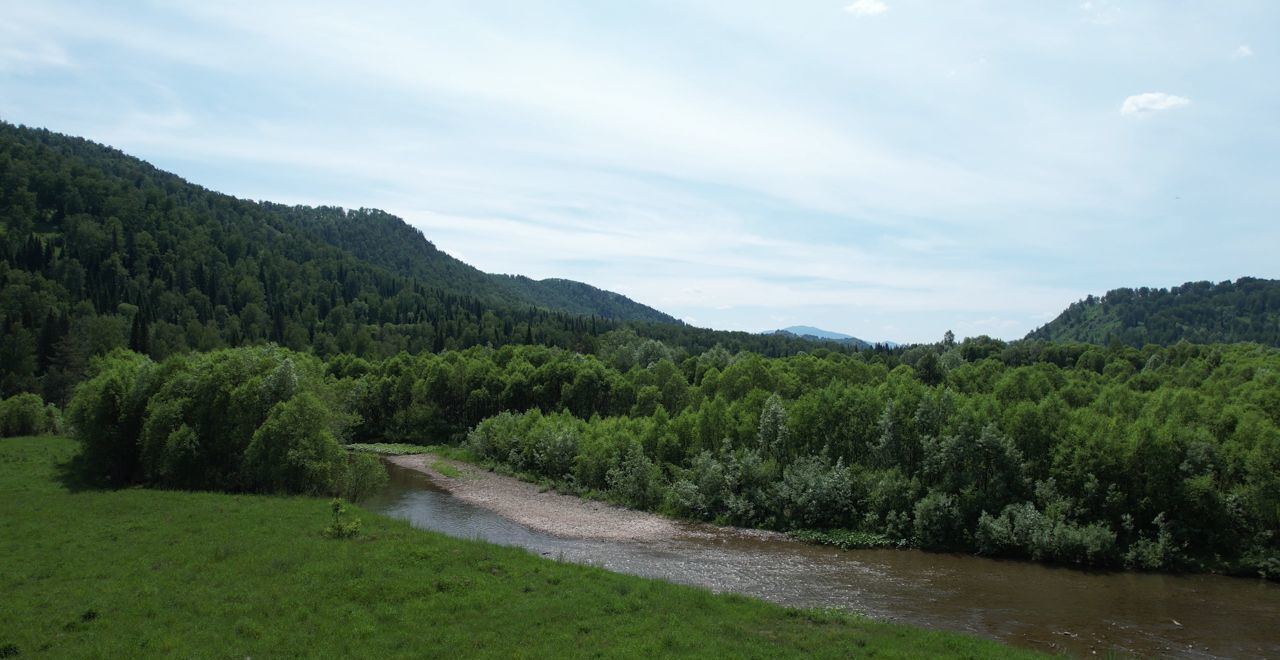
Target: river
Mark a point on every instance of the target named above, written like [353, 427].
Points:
[1021, 603]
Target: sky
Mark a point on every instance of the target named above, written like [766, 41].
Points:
[890, 169]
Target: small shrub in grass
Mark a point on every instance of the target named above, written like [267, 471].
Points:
[339, 528]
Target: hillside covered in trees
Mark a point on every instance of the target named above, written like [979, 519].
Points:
[1246, 310]
[99, 250]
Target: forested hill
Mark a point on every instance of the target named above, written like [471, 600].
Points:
[1247, 310]
[100, 250]
[386, 241]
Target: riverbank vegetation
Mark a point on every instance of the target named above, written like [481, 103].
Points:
[142, 573]
[1153, 459]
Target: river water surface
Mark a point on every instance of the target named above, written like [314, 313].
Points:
[1051, 609]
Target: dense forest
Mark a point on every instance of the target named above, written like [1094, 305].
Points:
[100, 251]
[1201, 312]
[200, 341]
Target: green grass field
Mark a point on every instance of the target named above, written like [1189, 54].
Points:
[136, 572]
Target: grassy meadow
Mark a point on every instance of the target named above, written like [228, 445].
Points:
[139, 572]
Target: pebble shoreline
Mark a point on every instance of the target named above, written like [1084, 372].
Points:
[565, 516]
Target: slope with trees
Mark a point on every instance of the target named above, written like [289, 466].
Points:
[1246, 310]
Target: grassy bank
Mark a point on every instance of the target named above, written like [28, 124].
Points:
[141, 572]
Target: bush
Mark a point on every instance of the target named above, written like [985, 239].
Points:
[294, 451]
[360, 475]
[339, 528]
[938, 522]
[259, 418]
[553, 448]
[1023, 531]
[636, 481]
[26, 414]
[106, 415]
[814, 493]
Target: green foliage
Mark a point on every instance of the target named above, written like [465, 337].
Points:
[1047, 452]
[635, 481]
[1021, 529]
[106, 415]
[339, 528]
[1246, 310]
[843, 538]
[258, 419]
[293, 451]
[815, 493]
[388, 448]
[939, 522]
[27, 414]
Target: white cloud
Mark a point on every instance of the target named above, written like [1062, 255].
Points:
[22, 50]
[867, 8]
[1141, 105]
[1101, 12]
[1243, 51]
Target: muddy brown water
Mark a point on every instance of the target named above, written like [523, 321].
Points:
[1029, 605]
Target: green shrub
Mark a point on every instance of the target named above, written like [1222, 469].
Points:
[360, 475]
[814, 493]
[259, 418]
[26, 414]
[636, 481]
[339, 528]
[106, 415]
[843, 538]
[1023, 531]
[293, 451]
[938, 522]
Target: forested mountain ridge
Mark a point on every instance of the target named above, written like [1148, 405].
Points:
[1246, 310]
[100, 250]
[385, 240]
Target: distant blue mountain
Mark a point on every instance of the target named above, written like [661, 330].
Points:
[818, 334]
[810, 331]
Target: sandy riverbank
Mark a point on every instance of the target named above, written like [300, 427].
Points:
[552, 513]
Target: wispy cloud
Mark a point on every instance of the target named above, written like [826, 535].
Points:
[867, 7]
[1100, 12]
[24, 50]
[1142, 105]
[1245, 50]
